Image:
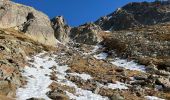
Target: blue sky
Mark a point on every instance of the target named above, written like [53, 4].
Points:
[77, 12]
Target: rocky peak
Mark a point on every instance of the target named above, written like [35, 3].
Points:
[61, 29]
[136, 15]
[59, 20]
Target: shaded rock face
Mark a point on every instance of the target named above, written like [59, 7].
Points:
[26, 19]
[136, 15]
[61, 29]
[87, 34]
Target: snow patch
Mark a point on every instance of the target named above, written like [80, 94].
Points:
[131, 65]
[153, 98]
[39, 81]
[109, 17]
[117, 85]
[37, 78]
[82, 76]
[108, 31]
[101, 56]
[80, 93]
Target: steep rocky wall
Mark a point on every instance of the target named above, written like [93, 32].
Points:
[28, 20]
[87, 34]
[61, 29]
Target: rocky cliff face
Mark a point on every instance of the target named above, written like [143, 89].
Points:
[136, 15]
[61, 29]
[87, 34]
[28, 20]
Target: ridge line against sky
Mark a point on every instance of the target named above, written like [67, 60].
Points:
[77, 12]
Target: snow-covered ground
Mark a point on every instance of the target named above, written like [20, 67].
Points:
[108, 31]
[131, 65]
[37, 77]
[116, 85]
[101, 56]
[153, 98]
[38, 80]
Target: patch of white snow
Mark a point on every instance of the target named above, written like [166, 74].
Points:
[131, 65]
[117, 85]
[37, 85]
[153, 98]
[101, 56]
[108, 31]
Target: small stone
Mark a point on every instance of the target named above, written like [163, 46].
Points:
[56, 95]
[35, 99]
[41, 67]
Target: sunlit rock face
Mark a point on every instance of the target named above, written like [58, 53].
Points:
[28, 20]
[61, 29]
[88, 34]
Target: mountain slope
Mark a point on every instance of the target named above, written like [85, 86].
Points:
[15, 47]
[131, 61]
[136, 15]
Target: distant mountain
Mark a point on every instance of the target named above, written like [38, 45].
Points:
[136, 15]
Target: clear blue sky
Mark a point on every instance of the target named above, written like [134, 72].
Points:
[77, 12]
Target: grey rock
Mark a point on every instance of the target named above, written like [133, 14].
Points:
[35, 99]
[163, 73]
[141, 77]
[57, 95]
[62, 30]
[139, 82]
[165, 82]
[88, 34]
[117, 97]
[28, 20]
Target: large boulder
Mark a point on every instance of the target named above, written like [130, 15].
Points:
[28, 20]
[87, 34]
[165, 82]
[61, 29]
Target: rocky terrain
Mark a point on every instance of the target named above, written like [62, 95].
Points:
[122, 56]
